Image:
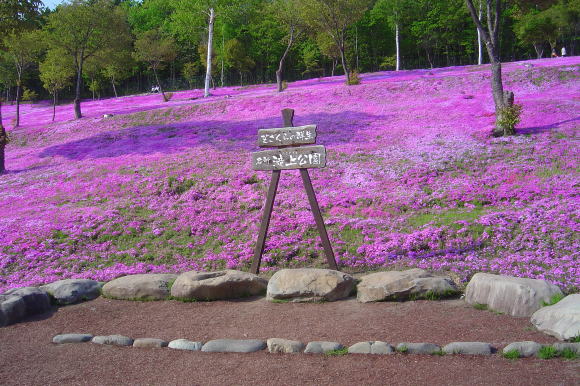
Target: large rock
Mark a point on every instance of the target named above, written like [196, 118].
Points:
[18, 303]
[309, 285]
[514, 296]
[321, 347]
[397, 285]
[525, 349]
[233, 345]
[69, 291]
[184, 344]
[72, 338]
[418, 348]
[140, 287]
[226, 284]
[371, 348]
[149, 343]
[113, 340]
[561, 320]
[277, 345]
[468, 348]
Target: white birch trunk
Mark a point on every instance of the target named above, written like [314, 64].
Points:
[209, 53]
[398, 67]
[479, 45]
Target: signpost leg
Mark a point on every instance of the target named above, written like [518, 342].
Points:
[265, 221]
[318, 218]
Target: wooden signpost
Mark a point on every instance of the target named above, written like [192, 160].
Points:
[289, 156]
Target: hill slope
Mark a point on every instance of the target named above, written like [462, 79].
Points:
[413, 179]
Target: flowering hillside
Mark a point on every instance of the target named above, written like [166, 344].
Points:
[413, 179]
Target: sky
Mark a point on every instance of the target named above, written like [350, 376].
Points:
[52, 3]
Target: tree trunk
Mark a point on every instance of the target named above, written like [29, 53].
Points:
[3, 141]
[479, 45]
[114, 88]
[333, 66]
[341, 46]
[398, 66]
[222, 76]
[18, 87]
[77, 102]
[209, 52]
[53, 105]
[281, 64]
[356, 46]
[159, 85]
[539, 47]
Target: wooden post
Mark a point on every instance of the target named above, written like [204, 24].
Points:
[288, 116]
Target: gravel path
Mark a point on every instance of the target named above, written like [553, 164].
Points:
[27, 355]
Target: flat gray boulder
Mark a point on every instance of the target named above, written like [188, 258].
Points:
[154, 286]
[18, 303]
[69, 291]
[321, 347]
[571, 346]
[234, 345]
[277, 345]
[309, 285]
[525, 349]
[72, 338]
[561, 320]
[149, 343]
[468, 348]
[184, 344]
[418, 348]
[373, 347]
[397, 285]
[514, 296]
[228, 284]
[113, 340]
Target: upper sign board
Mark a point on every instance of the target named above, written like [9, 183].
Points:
[287, 136]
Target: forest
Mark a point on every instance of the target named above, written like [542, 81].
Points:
[100, 48]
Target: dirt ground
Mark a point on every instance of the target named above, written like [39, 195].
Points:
[27, 356]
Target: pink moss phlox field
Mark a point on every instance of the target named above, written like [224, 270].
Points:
[413, 179]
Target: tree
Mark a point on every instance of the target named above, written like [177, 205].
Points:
[333, 17]
[6, 81]
[490, 35]
[237, 58]
[395, 12]
[83, 28]
[155, 49]
[16, 15]
[536, 28]
[56, 72]
[24, 49]
[287, 15]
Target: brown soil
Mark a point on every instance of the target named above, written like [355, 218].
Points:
[27, 355]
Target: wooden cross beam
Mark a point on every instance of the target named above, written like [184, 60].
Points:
[290, 157]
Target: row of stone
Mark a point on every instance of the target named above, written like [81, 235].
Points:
[510, 295]
[278, 345]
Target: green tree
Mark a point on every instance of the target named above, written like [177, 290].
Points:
[155, 49]
[237, 58]
[333, 17]
[535, 28]
[396, 12]
[24, 49]
[190, 72]
[82, 29]
[56, 72]
[18, 14]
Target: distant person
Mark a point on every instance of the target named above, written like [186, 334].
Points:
[563, 51]
[554, 54]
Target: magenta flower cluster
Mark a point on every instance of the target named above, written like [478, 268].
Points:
[413, 179]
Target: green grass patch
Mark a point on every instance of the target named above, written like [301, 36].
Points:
[512, 354]
[451, 217]
[568, 353]
[575, 339]
[479, 306]
[553, 300]
[402, 349]
[547, 352]
[280, 301]
[337, 352]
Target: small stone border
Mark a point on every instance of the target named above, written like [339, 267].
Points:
[513, 350]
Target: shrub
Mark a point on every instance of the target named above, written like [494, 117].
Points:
[568, 353]
[354, 78]
[575, 339]
[388, 63]
[509, 117]
[337, 352]
[29, 95]
[284, 85]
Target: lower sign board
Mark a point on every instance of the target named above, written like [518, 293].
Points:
[290, 158]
